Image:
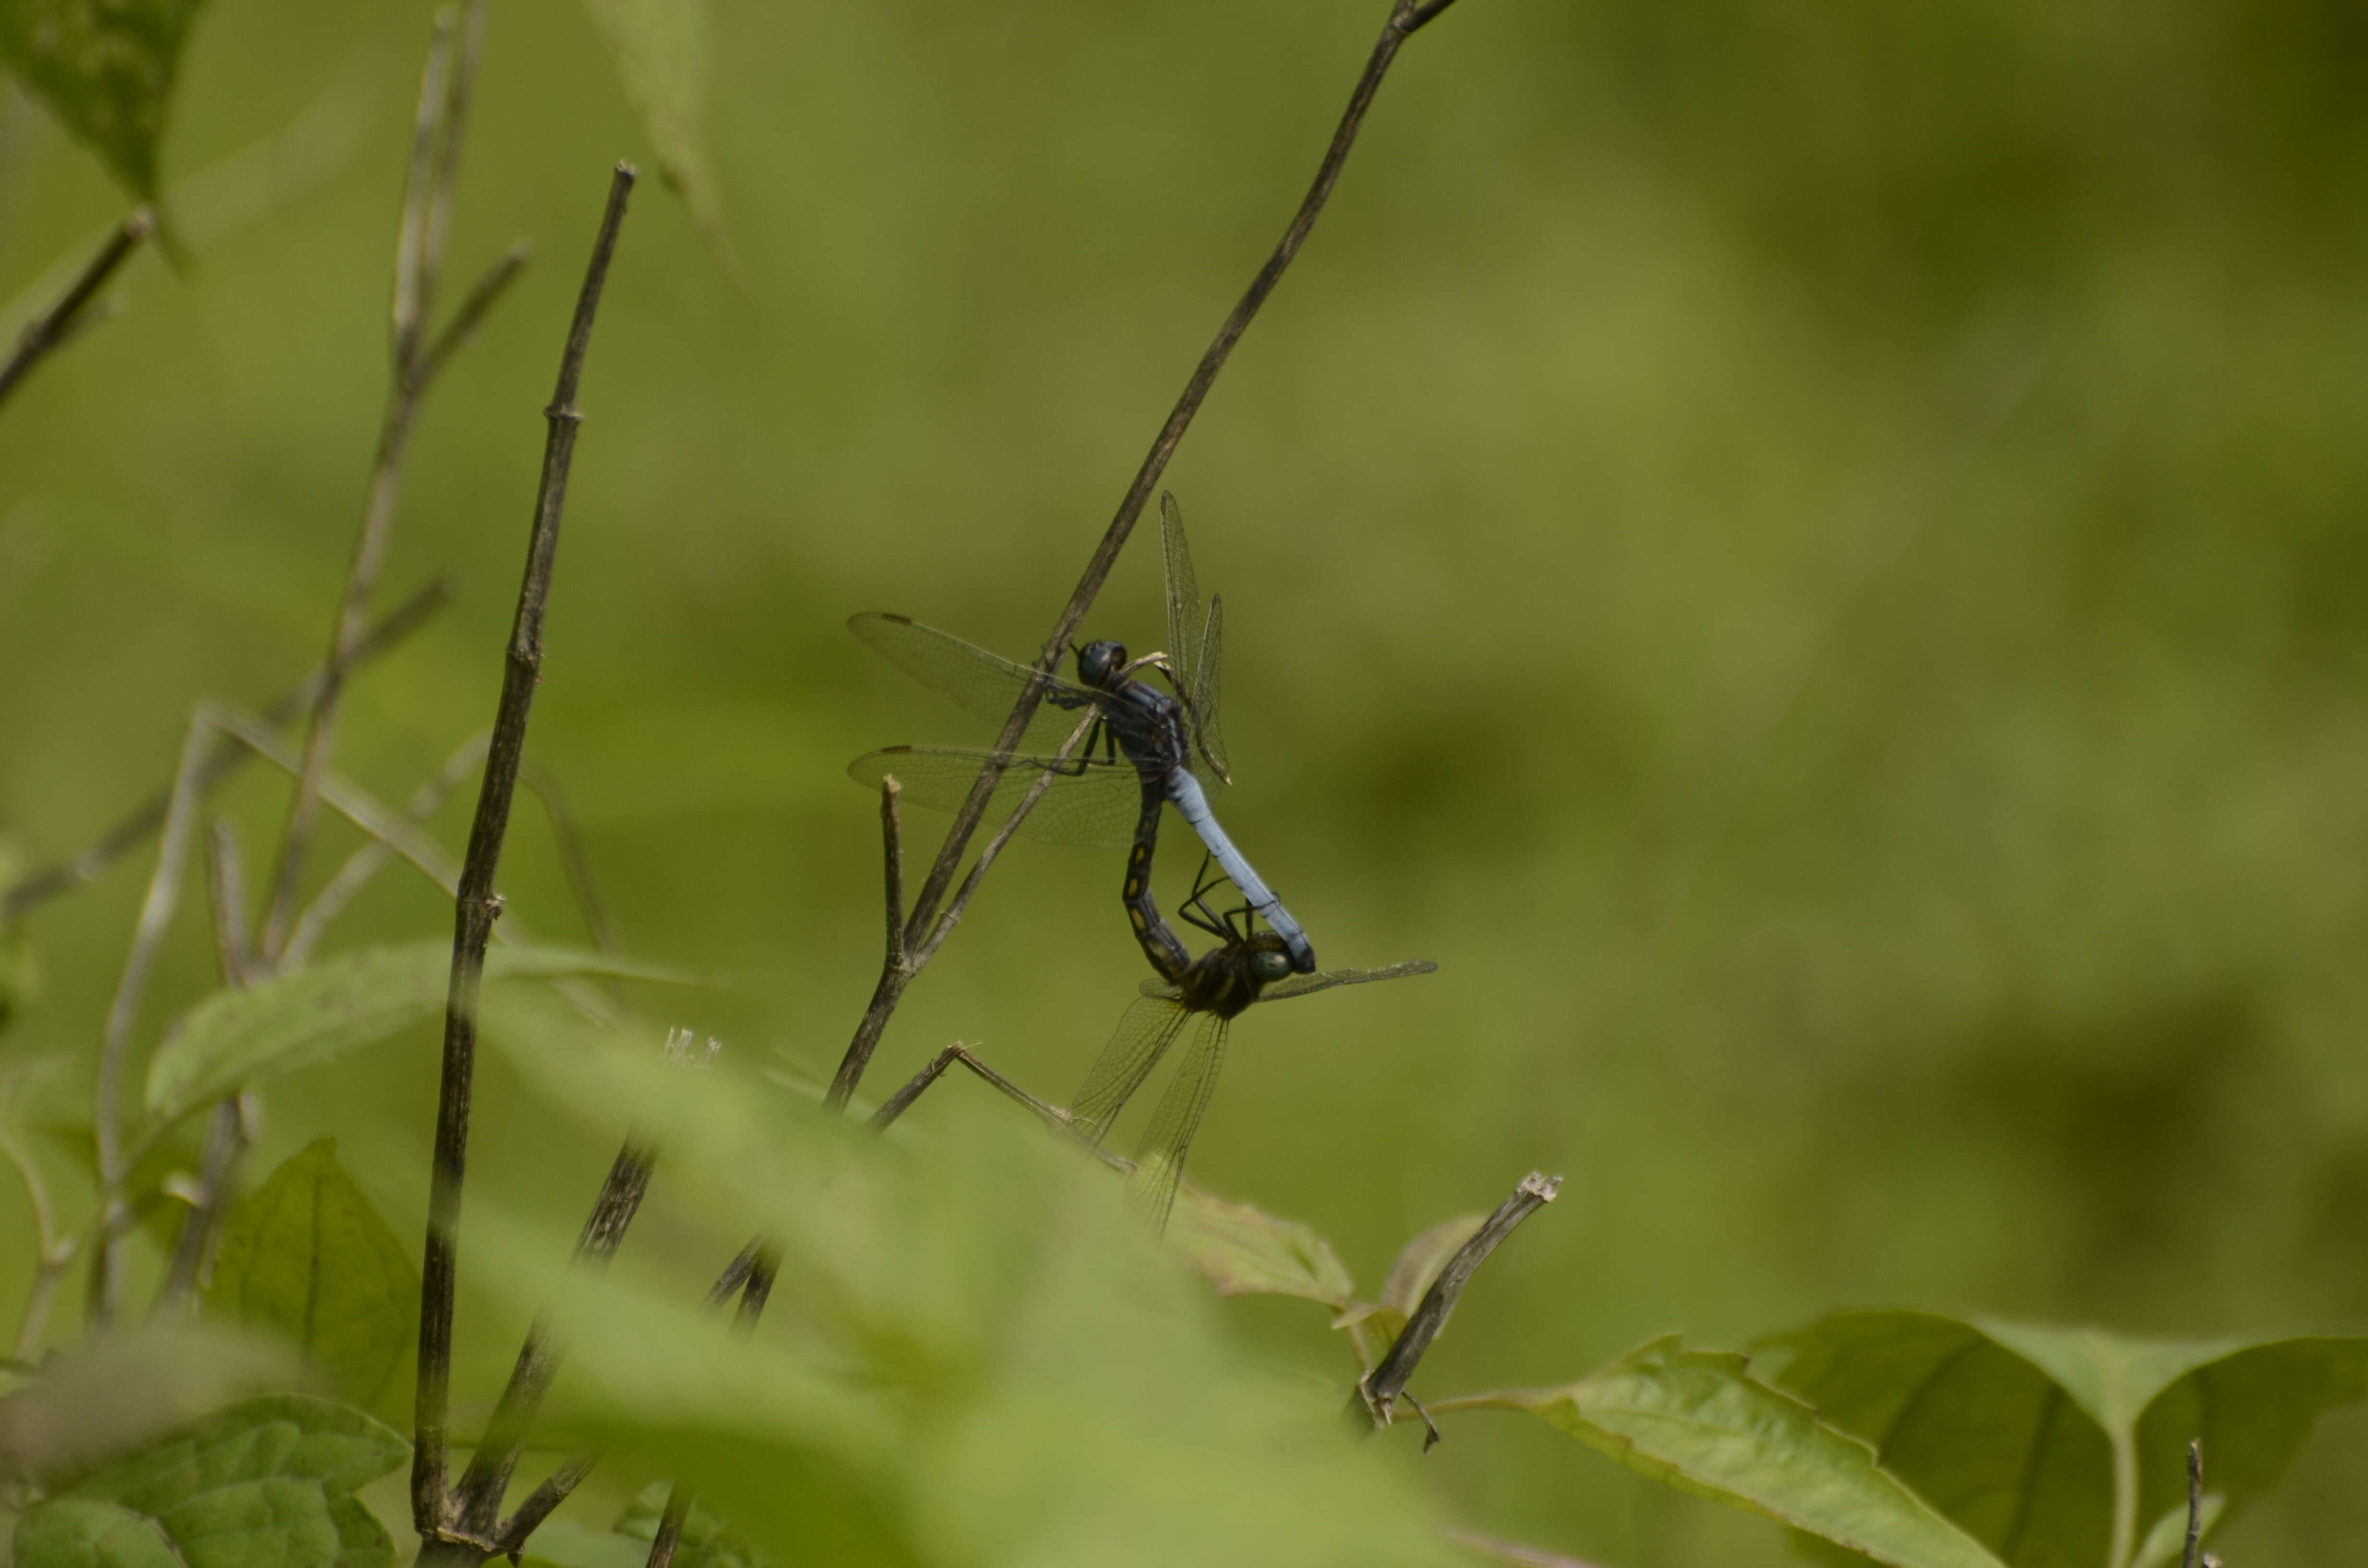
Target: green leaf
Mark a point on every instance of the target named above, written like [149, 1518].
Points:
[267, 1482]
[307, 1259]
[105, 67]
[117, 1393]
[973, 1354]
[234, 1039]
[661, 50]
[2051, 1446]
[1245, 1251]
[1695, 1420]
[707, 1541]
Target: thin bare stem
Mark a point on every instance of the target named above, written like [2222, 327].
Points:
[555, 1489]
[735, 1274]
[477, 1501]
[892, 843]
[444, 90]
[226, 895]
[478, 905]
[407, 310]
[54, 325]
[987, 857]
[366, 862]
[452, 128]
[670, 1523]
[157, 910]
[2195, 1546]
[482, 297]
[1406, 17]
[1378, 1391]
[230, 1133]
[54, 1254]
[85, 868]
[226, 1129]
[763, 1265]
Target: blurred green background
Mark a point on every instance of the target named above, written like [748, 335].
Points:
[1811, 557]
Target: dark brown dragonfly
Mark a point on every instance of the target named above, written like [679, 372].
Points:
[1246, 968]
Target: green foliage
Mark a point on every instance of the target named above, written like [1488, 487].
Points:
[1244, 1251]
[707, 1541]
[105, 67]
[2054, 1446]
[307, 1259]
[661, 50]
[1698, 1421]
[87, 1407]
[973, 1353]
[234, 1039]
[267, 1482]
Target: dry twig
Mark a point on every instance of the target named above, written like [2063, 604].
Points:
[1378, 1391]
[444, 89]
[54, 325]
[478, 906]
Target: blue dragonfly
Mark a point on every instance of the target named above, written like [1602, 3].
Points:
[1110, 748]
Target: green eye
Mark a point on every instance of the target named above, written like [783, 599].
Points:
[1268, 967]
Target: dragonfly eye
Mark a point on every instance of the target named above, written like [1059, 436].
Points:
[1267, 968]
[1097, 661]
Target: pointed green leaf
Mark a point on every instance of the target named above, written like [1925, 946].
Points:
[1697, 1421]
[307, 1259]
[234, 1039]
[105, 67]
[661, 51]
[1244, 1251]
[2018, 1433]
[267, 1482]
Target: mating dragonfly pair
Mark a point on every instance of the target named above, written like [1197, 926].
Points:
[1102, 756]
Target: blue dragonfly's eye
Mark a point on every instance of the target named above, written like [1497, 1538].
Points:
[1268, 967]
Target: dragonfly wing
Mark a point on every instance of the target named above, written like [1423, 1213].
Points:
[1094, 804]
[1305, 984]
[1159, 1163]
[1192, 653]
[1204, 690]
[987, 685]
[1184, 624]
[1144, 1032]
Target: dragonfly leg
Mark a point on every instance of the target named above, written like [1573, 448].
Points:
[1196, 909]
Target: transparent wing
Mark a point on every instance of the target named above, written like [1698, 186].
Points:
[1205, 691]
[1184, 623]
[1303, 985]
[986, 684]
[1144, 1032]
[1159, 1163]
[1191, 646]
[1096, 804]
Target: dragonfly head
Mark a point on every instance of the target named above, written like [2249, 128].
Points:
[1265, 968]
[1099, 662]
